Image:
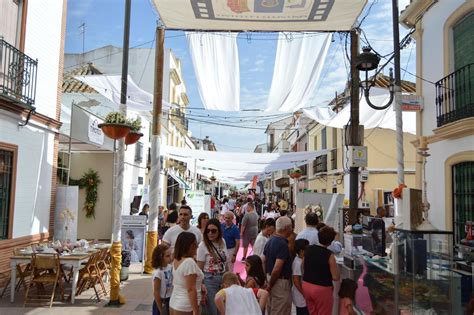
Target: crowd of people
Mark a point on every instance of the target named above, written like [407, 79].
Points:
[195, 270]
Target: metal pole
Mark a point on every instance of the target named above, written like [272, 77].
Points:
[195, 174]
[354, 126]
[152, 235]
[116, 250]
[397, 90]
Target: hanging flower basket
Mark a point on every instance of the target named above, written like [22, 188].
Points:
[212, 178]
[132, 137]
[114, 131]
[296, 173]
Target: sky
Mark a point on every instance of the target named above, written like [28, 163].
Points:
[104, 26]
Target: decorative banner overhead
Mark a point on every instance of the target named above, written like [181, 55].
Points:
[260, 15]
[109, 87]
[216, 65]
[368, 116]
[294, 82]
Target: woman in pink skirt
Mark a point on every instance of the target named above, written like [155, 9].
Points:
[320, 270]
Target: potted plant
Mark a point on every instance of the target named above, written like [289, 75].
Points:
[134, 135]
[296, 173]
[115, 126]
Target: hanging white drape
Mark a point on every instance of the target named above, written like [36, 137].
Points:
[109, 86]
[216, 65]
[298, 66]
[368, 116]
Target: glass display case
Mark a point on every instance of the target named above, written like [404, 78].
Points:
[416, 277]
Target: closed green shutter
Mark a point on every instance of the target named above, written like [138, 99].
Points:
[463, 37]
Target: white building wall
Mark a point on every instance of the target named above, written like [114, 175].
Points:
[43, 42]
[33, 174]
[433, 56]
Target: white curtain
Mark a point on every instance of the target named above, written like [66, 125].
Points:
[216, 64]
[298, 66]
[368, 116]
[109, 86]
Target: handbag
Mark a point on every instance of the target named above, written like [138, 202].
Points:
[222, 263]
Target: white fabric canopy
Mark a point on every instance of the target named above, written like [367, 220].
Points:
[263, 15]
[216, 64]
[368, 116]
[236, 165]
[109, 86]
[298, 65]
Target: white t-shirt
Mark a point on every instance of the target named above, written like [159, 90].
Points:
[259, 244]
[239, 300]
[210, 263]
[231, 204]
[172, 234]
[179, 299]
[270, 214]
[166, 277]
[225, 208]
[298, 298]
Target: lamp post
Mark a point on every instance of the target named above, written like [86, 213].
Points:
[368, 61]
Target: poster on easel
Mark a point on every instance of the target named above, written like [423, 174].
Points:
[134, 239]
[197, 201]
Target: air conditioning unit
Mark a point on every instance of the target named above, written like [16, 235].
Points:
[364, 205]
[364, 176]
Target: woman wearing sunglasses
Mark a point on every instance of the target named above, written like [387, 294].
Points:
[212, 259]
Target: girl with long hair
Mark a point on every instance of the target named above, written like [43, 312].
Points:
[212, 259]
[255, 274]
[162, 279]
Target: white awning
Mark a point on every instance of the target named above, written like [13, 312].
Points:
[260, 15]
[180, 181]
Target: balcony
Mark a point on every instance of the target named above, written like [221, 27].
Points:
[320, 164]
[455, 96]
[17, 76]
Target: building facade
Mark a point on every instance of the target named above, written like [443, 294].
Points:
[31, 66]
[444, 33]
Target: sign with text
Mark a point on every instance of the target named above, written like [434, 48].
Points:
[411, 103]
[94, 133]
[196, 200]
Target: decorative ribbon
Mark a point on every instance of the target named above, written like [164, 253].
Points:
[397, 192]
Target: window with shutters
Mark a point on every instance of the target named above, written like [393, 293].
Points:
[463, 199]
[10, 21]
[7, 188]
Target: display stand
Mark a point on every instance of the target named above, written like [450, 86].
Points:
[134, 229]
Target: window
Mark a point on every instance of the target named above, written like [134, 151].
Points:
[334, 151]
[139, 152]
[323, 139]
[320, 164]
[463, 198]
[62, 170]
[7, 188]
[10, 21]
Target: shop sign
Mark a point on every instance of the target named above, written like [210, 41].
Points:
[411, 103]
[95, 134]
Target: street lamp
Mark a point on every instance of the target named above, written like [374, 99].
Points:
[368, 61]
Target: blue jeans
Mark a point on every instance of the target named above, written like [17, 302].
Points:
[213, 285]
[166, 307]
[302, 310]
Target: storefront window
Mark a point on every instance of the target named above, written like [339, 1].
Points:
[463, 199]
[6, 183]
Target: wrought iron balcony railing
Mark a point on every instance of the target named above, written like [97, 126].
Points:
[17, 75]
[455, 96]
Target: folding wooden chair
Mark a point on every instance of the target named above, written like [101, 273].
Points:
[46, 270]
[23, 272]
[89, 276]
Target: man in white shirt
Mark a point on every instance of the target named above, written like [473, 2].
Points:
[310, 233]
[231, 203]
[185, 214]
[262, 238]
